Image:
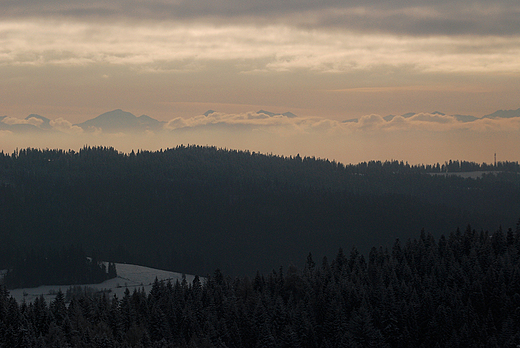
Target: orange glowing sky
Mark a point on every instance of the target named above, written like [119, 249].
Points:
[325, 61]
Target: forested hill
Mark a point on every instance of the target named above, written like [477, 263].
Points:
[193, 209]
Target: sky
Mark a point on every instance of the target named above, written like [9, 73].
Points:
[326, 61]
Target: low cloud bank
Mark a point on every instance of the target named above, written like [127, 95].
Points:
[62, 125]
[417, 138]
[436, 122]
[31, 120]
[281, 124]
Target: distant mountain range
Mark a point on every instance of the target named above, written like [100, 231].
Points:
[271, 114]
[121, 121]
[26, 127]
[109, 122]
[460, 118]
[46, 123]
[504, 114]
[268, 113]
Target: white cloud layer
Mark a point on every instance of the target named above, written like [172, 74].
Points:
[62, 125]
[421, 138]
[283, 125]
[32, 121]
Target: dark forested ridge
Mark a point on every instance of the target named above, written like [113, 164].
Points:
[460, 290]
[194, 209]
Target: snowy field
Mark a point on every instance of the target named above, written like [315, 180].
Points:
[128, 276]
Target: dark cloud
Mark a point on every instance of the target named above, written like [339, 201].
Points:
[424, 17]
[425, 20]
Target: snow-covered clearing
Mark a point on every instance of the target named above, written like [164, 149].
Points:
[128, 276]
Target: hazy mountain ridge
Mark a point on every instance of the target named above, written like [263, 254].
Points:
[460, 118]
[504, 114]
[272, 114]
[46, 123]
[120, 121]
[32, 123]
[21, 128]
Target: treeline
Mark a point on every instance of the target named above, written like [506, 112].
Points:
[31, 156]
[57, 267]
[460, 290]
[206, 162]
[465, 166]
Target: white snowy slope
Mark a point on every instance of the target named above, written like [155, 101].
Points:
[128, 276]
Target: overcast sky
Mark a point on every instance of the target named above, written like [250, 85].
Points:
[336, 60]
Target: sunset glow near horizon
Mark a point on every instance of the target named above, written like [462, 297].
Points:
[326, 62]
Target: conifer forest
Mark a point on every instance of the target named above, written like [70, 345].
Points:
[289, 251]
[461, 290]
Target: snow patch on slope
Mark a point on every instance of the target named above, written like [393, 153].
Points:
[128, 277]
